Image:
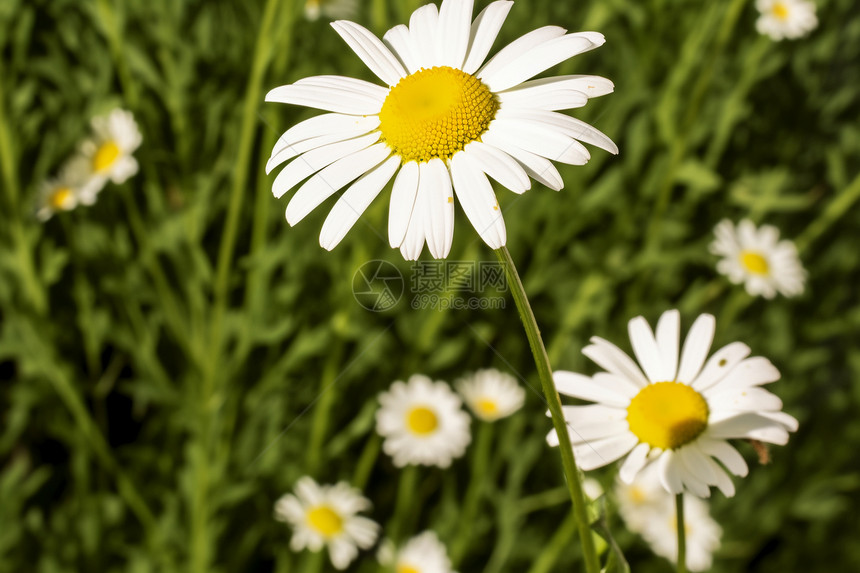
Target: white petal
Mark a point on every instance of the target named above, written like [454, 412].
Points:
[634, 462]
[787, 421]
[309, 163]
[422, 32]
[753, 371]
[354, 201]
[741, 426]
[581, 434]
[614, 360]
[397, 38]
[646, 349]
[519, 47]
[598, 453]
[439, 206]
[720, 364]
[403, 202]
[329, 99]
[540, 139]
[371, 50]
[500, 166]
[567, 125]
[668, 340]
[696, 348]
[290, 151]
[726, 454]
[455, 23]
[538, 59]
[591, 86]
[689, 477]
[478, 200]
[670, 475]
[697, 464]
[345, 83]
[538, 168]
[323, 125]
[484, 30]
[325, 183]
[742, 400]
[545, 99]
[584, 388]
[413, 242]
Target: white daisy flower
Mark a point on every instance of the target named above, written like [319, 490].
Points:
[115, 138]
[334, 9]
[422, 423]
[72, 187]
[491, 395]
[327, 516]
[785, 19]
[757, 258]
[676, 416]
[649, 510]
[442, 122]
[422, 554]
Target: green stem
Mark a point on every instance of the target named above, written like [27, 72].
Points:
[114, 33]
[472, 499]
[838, 207]
[405, 494]
[571, 471]
[682, 533]
[559, 541]
[366, 461]
[322, 410]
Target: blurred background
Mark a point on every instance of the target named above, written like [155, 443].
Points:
[163, 352]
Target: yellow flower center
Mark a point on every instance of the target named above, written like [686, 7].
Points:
[780, 11]
[486, 407]
[407, 569]
[435, 112]
[667, 415]
[105, 155]
[754, 262]
[60, 198]
[421, 420]
[325, 520]
[637, 495]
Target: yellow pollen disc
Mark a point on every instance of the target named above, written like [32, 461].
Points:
[421, 420]
[407, 569]
[637, 495]
[105, 156]
[60, 198]
[754, 262]
[435, 112]
[780, 11]
[486, 407]
[667, 415]
[325, 520]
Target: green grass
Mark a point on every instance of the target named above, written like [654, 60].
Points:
[163, 352]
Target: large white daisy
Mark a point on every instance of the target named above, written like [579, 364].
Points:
[757, 258]
[422, 422]
[326, 515]
[785, 19]
[676, 415]
[491, 394]
[115, 137]
[442, 122]
[649, 510]
[423, 553]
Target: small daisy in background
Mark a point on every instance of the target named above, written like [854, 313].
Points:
[757, 258]
[442, 122]
[61, 193]
[678, 416]
[332, 9]
[423, 553]
[423, 423]
[491, 395]
[785, 19]
[115, 137]
[326, 515]
[649, 510]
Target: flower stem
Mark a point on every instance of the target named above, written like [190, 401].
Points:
[571, 472]
[480, 461]
[405, 494]
[682, 533]
[840, 205]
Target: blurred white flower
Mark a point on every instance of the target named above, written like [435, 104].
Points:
[116, 136]
[678, 417]
[649, 510]
[757, 258]
[332, 9]
[423, 553]
[72, 187]
[422, 423]
[443, 122]
[785, 19]
[491, 394]
[327, 516]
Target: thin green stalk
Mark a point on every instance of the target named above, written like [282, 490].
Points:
[366, 461]
[7, 155]
[313, 562]
[405, 494]
[322, 410]
[112, 30]
[838, 207]
[682, 533]
[559, 541]
[571, 471]
[472, 499]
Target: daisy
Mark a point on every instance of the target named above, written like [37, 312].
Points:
[421, 554]
[649, 510]
[781, 19]
[491, 394]
[758, 258]
[116, 136]
[422, 422]
[677, 416]
[326, 515]
[442, 123]
[72, 187]
[330, 9]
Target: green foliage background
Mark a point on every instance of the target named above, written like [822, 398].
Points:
[163, 353]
